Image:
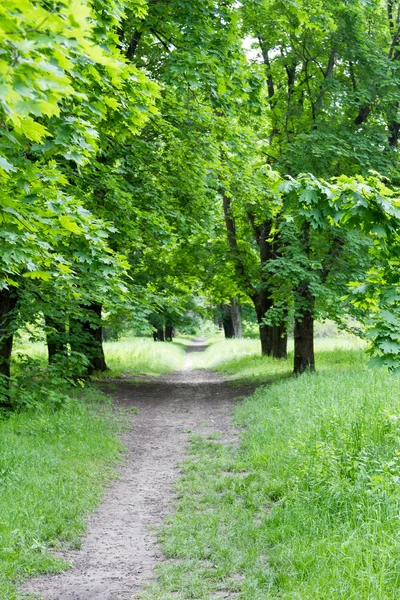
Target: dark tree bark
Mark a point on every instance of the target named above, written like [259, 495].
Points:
[304, 321]
[304, 359]
[327, 75]
[267, 62]
[159, 335]
[133, 45]
[363, 114]
[8, 309]
[236, 315]
[169, 332]
[227, 322]
[279, 341]
[273, 337]
[261, 298]
[98, 361]
[394, 131]
[262, 304]
[56, 338]
[86, 336]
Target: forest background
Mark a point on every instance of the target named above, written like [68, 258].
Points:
[154, 154]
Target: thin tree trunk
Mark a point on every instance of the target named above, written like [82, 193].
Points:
[56, 338]
[266, 339]
[169, 332]
[227, 322]
[158, 335]
[95, 330]
[86, 337]
[272, 342]
[304, 359]
[279, 341]
[236, 315]
[8, 305]
[262, 304]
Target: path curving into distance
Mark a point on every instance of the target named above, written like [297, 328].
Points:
[119, 552]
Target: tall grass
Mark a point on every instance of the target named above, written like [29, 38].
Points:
[143, 356]
[241, 359]
[325, 450]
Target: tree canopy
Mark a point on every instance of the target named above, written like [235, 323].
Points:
[154, 151]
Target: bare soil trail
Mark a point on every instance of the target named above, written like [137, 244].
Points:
[119, 552]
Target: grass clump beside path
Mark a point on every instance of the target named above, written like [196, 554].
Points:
[241, 360]
[308, 506]
[132, 356]
[53, 467]
[143, 356]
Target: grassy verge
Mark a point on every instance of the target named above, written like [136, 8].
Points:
[241, 361]
[134, 356]
[53, 468]
[308, 506]
[143, 356]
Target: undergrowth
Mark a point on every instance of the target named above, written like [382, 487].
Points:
[307, 507]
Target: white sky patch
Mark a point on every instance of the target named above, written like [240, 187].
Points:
[252, 49]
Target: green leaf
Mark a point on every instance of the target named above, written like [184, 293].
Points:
[43, 275]
[6, 166]
[390, 347]
[70, 225]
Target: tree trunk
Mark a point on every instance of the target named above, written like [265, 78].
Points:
[169, 332]
[56, 338]
[262, 304]
[236, 315]
[158, 335]
[227, 322]
[8, 305]
[304, 359]
[86, 336]
[266, 339]
[279, 341]
[95, 331]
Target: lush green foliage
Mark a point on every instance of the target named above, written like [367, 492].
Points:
[146, 158]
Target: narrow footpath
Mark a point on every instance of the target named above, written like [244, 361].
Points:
[119, 552]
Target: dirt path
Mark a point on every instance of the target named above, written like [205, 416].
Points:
[119, 553]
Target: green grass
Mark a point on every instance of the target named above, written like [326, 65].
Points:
[37, 350]
[143, 356]
[241, 361]
[134, 356]
[53, 469]
[308, 506]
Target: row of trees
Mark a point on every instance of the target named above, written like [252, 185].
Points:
[146, 155]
